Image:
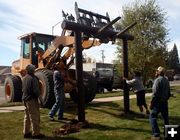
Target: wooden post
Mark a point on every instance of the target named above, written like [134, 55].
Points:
[79, 76]
[125, 74]
[97, 33]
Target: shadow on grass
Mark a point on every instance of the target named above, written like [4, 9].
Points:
[105, 128]
[119, 111]
[60, 137]
[100, 104]
[174, 120]
[131, 115]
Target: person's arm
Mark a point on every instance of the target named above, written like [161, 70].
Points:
[130, 82]
[155, 91]
[156, 88]
[169, 90]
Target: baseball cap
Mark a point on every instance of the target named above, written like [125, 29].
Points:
[30, 68]
[160, 69]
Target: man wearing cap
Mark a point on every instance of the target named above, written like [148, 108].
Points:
[31, 92]
[159, 102]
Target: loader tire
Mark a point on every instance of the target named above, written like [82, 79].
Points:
[46, 87]
[109, 89]
[89, 84]
[13, 88]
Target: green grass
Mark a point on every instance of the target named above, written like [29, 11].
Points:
[112, 94]
[107, 121]
[8, 104]
[109, 94]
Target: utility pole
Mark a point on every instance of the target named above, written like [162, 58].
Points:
[102, 53]
[55, 26]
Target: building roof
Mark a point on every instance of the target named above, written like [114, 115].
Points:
[5, 70]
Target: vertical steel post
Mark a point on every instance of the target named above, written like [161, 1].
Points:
[79, 76]
[125, 74]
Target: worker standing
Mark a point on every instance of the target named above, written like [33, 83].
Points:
[31, 93]
[159, 102]
[58, 78]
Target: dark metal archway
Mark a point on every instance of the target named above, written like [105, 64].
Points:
[96, 26]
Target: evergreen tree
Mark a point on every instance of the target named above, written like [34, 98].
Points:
[173, 60]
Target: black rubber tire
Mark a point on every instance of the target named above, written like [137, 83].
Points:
[109, 89]
[47, 87]
[13, 88]
[89, 83]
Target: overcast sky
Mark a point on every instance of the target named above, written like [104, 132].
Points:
[18, 17]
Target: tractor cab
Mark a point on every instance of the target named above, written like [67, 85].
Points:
[33, 44]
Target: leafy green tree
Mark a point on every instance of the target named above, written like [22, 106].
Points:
[149, 48]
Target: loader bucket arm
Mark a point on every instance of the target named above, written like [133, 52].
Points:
[59, 42]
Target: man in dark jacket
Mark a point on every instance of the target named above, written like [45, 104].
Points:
[31, 93]
[159, 102]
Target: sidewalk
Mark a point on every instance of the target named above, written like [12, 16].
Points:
[118, 98]
[11, 109]
[99, 100]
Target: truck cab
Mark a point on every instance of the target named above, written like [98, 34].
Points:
[104, 78]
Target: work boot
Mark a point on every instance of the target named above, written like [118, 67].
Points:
[28, 135]
[147, 112]
[40, 136]
[51, 118]
[155, 138]
[62, 118]
[141, 108]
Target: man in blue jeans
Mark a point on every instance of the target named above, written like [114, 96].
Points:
[159, 102]
[58, 77]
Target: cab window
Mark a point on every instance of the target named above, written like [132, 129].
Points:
[25, 44]
[41, 43]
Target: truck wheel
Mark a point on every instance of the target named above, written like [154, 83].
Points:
[46, 87]
[89, 89]
[13, 88]
[109, 89]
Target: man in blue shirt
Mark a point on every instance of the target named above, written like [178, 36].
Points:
[159, 102]
[58, 78]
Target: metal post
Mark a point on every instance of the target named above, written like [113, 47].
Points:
[125, 74]
[79, 77]
[52, 30]
[55, 26]
[102, 53]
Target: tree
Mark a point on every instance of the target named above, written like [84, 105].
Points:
[173, 60]
[149, 48]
